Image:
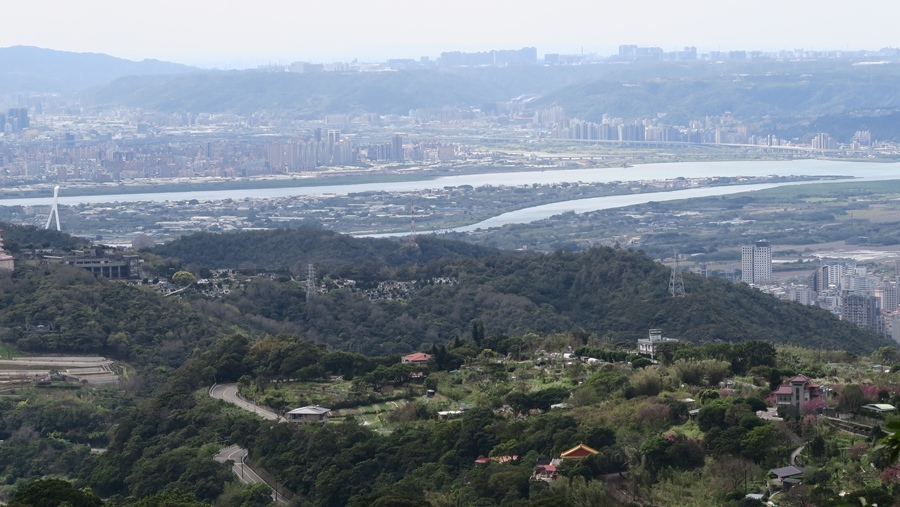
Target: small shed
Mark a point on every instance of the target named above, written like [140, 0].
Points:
[879, 408]
[786, 477]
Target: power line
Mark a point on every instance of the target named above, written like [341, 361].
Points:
[310, 282]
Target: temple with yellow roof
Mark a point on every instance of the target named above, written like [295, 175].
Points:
[578, 452]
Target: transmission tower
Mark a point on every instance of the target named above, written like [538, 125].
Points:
[310, 282]
[54, 209]
[412, 226]
[676, 281]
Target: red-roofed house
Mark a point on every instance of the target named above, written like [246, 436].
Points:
[797, 391]
[545, 472]
[416, 358]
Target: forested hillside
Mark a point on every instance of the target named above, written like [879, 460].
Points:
[776, 91]
[634, 413]
[491, 320]
[18, 237]
[613, 295]
[65, 310]
[616, 295]
[780, 94]
[282, 249]
[302, 94]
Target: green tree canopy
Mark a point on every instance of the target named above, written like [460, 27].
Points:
[53, 493]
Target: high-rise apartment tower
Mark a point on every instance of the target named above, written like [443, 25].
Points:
[756, 263]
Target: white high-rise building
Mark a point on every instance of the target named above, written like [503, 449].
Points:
[888, 295]
[756, 263]
[835, 275]
[863, 284]
[802, 294]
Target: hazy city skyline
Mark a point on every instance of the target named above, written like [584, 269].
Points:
[220, 34]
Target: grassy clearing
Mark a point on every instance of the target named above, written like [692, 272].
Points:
[689, 429]
[373, 416]
[836, 192]
[330, 394]
[819, 200]
[479, 385]
[8, 351]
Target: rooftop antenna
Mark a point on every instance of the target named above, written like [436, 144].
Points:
[676, 281]
[310, 282]
[54, 209]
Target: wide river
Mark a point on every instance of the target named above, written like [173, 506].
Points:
[861, 170]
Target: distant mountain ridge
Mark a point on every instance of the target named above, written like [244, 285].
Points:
[775, 93]
[310, 95]
[29, 69]
[790, 98]
[778, 94]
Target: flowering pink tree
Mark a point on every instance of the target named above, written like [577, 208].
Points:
[870, 391]
[655, 415]
[891, 475]
[813, 406]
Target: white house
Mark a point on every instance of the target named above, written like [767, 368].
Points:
[308, 415]
[647, 346]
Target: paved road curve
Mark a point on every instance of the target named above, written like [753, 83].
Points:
[242, 471]
[237, 455]
[229, 393]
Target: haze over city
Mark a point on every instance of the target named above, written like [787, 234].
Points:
[405, 254]
[238, 34]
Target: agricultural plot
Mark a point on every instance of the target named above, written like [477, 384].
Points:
[90, 370]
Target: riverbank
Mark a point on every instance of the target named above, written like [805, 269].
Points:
[420, 182]
[399, 173]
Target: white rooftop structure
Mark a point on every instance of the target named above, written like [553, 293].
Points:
[310, 410]
[308, 414]
[879, 407]
[648, 345]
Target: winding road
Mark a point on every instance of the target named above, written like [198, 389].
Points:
[796, 453]
[229, 393]
[237, 455]
[246, 474]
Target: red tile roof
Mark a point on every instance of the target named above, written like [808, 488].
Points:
[416, 357]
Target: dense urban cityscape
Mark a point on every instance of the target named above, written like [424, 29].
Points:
[128, 145]
[46, 138]
[851, 291]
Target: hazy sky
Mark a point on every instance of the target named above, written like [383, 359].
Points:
[234, 33]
